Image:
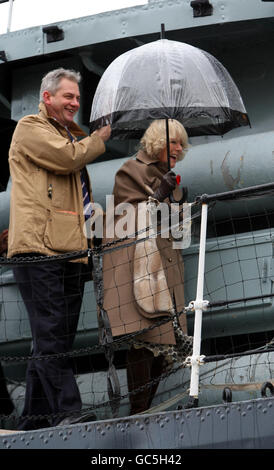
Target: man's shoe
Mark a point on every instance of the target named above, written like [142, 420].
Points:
[81, 418]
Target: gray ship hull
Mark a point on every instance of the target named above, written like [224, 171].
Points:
[239, 425]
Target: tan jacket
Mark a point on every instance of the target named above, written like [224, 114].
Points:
[46, 206]
[142, 281]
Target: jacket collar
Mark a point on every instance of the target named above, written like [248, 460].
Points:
[73, 127]
[145, 158]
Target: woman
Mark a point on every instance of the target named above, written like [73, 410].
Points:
[143, 282]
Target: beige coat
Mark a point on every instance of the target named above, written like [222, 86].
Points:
[141, 280]
[46, 206]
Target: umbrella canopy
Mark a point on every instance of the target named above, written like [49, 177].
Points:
[167, 79]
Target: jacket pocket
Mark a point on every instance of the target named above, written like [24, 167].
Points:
[63, 231]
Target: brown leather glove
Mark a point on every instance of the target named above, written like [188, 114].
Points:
[168, 184]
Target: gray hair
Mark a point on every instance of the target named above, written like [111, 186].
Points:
[51, 80]
[154, 139]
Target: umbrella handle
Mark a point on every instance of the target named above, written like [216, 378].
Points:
[167, 145]
[178, 177]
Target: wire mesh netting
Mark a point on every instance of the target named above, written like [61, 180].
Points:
[151, 276]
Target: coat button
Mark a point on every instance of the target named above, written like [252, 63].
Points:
[170, 259]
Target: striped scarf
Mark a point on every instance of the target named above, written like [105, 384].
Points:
[88, 211]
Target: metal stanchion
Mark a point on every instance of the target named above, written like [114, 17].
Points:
[198, 305]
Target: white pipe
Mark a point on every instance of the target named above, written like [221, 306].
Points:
[10, 15]
[198, 306]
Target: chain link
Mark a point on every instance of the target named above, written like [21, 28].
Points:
[105, 404]
[117, 342]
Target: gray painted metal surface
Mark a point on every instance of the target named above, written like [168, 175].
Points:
[220, 165]
[241, 425]
[236, 267]
[128, 22]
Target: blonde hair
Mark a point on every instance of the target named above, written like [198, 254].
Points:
[154, 139]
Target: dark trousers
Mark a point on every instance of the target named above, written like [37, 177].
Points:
[143, 367]
[52, 293]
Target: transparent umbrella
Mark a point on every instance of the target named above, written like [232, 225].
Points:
[167, 79]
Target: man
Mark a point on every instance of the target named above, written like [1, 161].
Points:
[50, 192]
